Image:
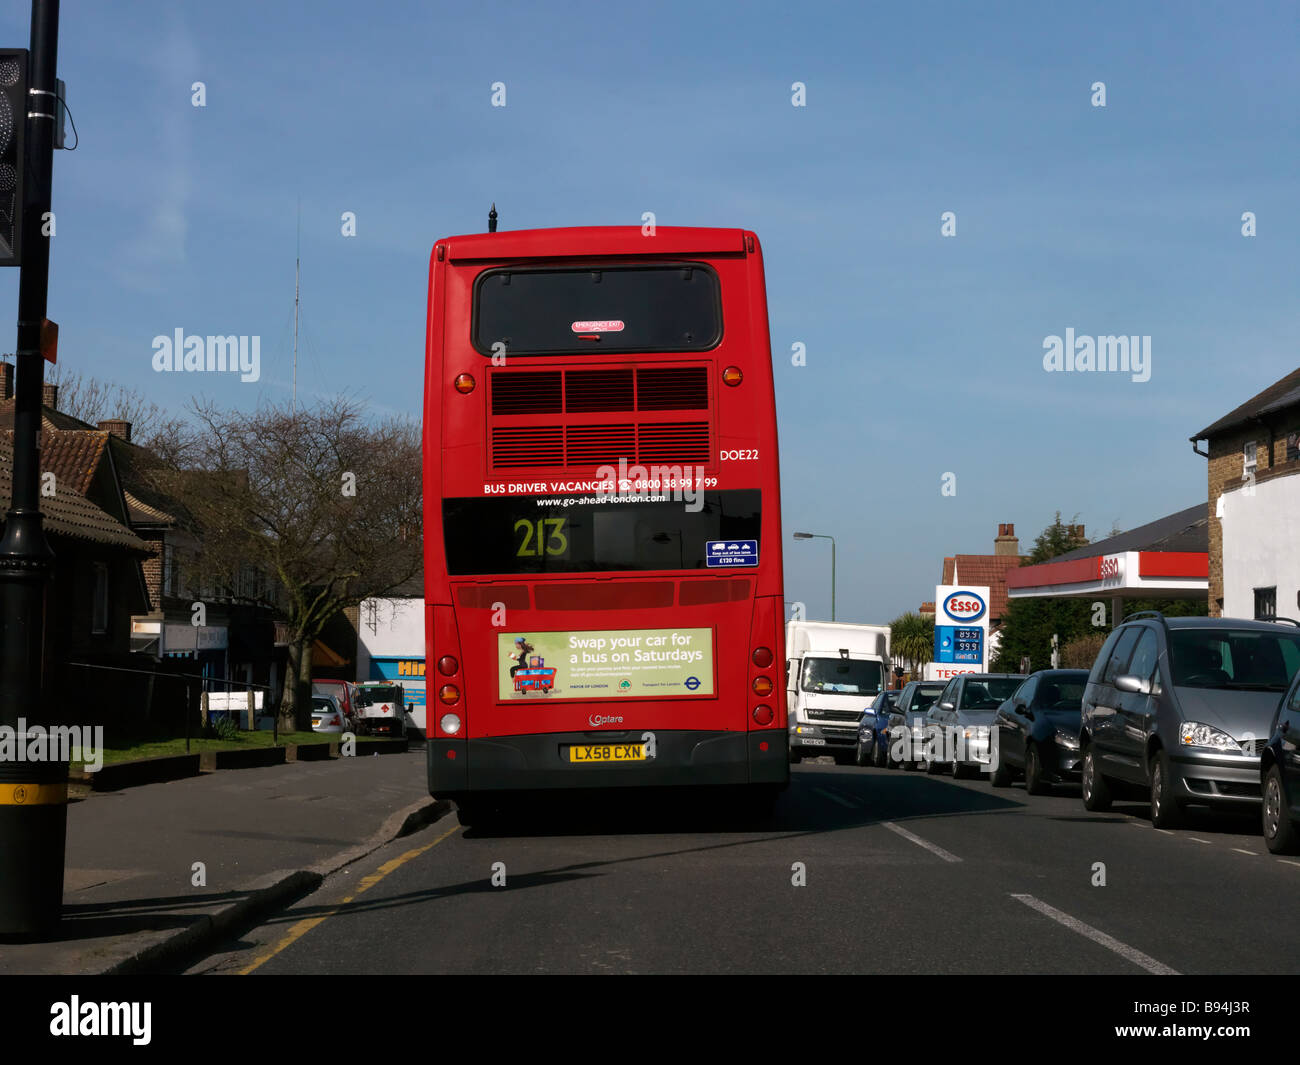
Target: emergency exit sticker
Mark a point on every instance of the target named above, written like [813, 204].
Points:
[607, 326]
[718, 553]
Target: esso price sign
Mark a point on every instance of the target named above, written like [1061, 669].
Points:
[964, 606]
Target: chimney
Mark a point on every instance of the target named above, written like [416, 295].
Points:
[118, 427]
[50, 396]
[6, 380]
[1006, 542]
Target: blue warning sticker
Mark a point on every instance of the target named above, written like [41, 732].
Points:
[721, 553]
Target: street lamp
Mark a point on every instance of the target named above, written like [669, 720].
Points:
[821, 536]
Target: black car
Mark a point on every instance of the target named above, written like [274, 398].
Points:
[1279, 771]
[1038, 730]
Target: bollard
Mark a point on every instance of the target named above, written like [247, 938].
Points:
[33, 830]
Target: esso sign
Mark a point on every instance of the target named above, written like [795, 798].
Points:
[1110, 566]
[964, 606]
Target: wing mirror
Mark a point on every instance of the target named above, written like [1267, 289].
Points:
[1127, 682]
[947, 706]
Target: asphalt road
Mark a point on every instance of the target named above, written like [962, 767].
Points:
[902, 873]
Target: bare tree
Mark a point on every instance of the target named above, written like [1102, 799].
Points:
[320, 499]
[91, 400]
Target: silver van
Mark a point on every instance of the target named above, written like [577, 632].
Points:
[1179, 709]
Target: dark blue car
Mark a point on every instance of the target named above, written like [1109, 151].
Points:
[873, 731]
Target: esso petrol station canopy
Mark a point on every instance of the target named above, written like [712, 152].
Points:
[1166, 559]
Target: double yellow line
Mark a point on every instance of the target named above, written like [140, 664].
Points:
[307, 924]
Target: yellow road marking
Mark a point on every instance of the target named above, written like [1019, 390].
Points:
[307, 924]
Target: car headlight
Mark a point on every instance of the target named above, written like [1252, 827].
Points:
[1067, 739]
[1194, 734]
[866, 733]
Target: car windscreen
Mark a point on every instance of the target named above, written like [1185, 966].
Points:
[1060, 694]
[600, 533]
[988, 694]
[841, 676]
[1235, 659]
[922, 698]
[597, 311]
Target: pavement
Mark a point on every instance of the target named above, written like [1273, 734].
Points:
[133, 898]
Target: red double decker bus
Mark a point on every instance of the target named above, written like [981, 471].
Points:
[602, 515]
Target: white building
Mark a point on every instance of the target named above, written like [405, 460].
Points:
[390, 646]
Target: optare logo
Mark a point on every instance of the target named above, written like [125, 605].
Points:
[964, 606]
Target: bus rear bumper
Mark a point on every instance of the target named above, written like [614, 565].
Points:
[682, 758]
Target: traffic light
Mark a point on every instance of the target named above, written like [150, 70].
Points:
[13, 125]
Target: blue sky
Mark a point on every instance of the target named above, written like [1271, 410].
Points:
[924, 353]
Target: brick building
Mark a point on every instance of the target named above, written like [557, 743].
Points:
[986, 570]
[1253, 453]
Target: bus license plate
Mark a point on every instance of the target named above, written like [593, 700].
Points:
[617, 752]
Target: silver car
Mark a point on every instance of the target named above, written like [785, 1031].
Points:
[1179, 710]
[327, 715]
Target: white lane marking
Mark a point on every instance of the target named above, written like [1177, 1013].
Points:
[1240, 850]
[1167, 831]
[836, 798]
[1109, 942]
[1198, 839]
[1288, 861]
[931, 847]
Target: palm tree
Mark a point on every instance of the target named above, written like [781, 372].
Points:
[911, 640]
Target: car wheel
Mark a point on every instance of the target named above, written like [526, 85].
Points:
[1034, 782]
[1096, 792]
[933, 767]
[880, 757]
[860, 756]
[959, 771]
[1001, 777]
[1166, 810]
[1279, 831]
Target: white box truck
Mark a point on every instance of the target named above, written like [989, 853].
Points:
[834, 672]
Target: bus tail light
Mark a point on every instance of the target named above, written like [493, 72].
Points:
[444, 652]
[732, 376]
[464, 384]
[764, 636]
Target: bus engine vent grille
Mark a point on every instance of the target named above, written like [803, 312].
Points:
[597, 390]
[527, 446]
[529, 392]
[673, 388]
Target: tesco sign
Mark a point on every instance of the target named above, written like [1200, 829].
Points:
[964, 606]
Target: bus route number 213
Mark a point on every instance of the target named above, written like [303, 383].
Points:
[543, 537]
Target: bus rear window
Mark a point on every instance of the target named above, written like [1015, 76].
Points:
[593, 534]
[633, 308]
